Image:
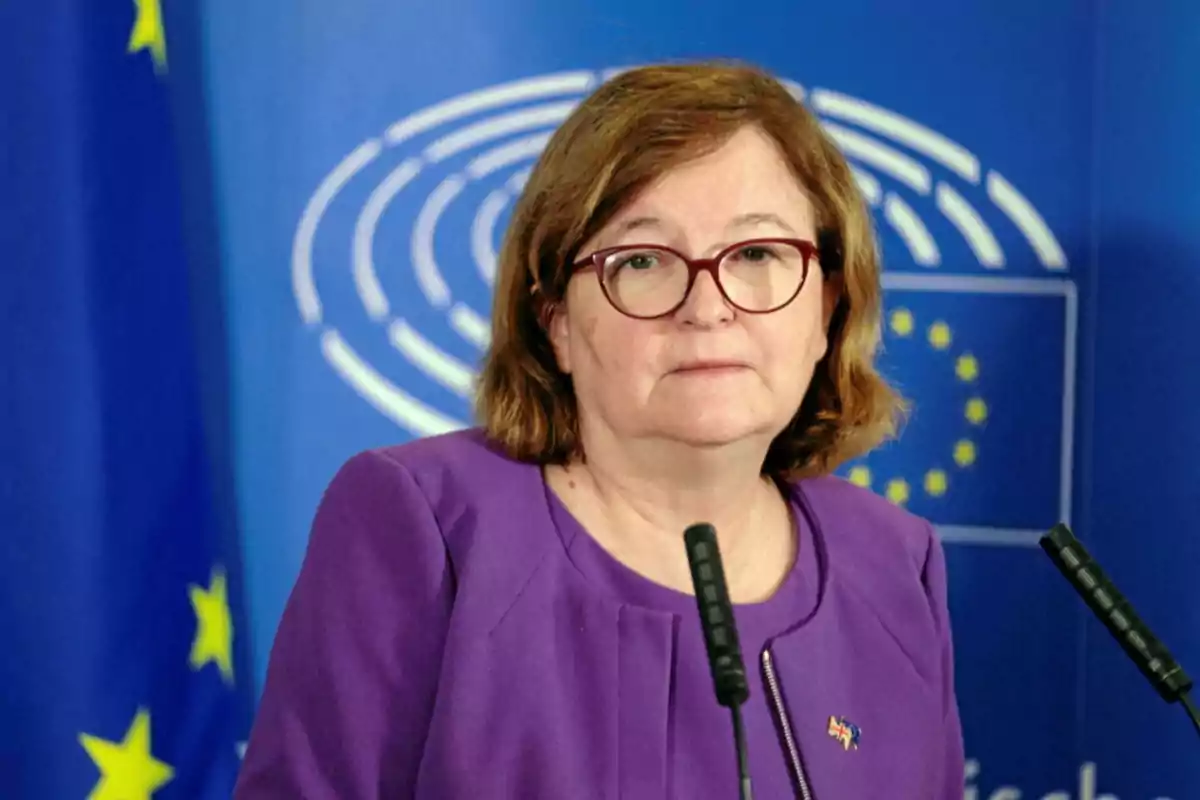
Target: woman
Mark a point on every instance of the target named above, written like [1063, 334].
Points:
[686, 313]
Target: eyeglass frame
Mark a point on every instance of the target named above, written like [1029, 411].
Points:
[595, 262]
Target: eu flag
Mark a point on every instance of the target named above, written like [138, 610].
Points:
[122, 675]
[982, 456]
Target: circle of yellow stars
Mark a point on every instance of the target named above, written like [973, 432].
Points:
[936, 481]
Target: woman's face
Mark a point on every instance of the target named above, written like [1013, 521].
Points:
[708, 374]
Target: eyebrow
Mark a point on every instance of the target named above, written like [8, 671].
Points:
[636, 223]
[740, 221]
[760, 218]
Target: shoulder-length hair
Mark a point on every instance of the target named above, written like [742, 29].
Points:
[631, 130]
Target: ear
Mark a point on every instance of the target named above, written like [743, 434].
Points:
[559, 332]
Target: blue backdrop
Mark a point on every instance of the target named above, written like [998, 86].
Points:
[1032, 188]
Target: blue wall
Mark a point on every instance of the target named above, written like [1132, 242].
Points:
[1143, 494]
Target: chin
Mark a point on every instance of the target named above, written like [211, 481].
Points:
[711, 430]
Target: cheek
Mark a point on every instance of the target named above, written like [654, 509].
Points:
[792, 346]
[612, 355]
[588, 344]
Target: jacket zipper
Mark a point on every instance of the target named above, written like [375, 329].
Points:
[791, 747]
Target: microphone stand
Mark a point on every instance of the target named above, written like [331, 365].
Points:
[745, 792]
[1190, 707]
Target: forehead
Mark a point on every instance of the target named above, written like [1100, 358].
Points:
[745, 183]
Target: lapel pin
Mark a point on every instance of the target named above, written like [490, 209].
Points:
[845, 732]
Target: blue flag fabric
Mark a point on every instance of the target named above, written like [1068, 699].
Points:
[121, 675]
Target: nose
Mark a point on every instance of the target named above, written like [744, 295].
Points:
[705, 306]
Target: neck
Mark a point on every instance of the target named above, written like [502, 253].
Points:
[638, 499]
[669, 485]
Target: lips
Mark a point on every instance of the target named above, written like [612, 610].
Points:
[710, 366]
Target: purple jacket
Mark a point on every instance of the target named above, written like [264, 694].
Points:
[454, 633]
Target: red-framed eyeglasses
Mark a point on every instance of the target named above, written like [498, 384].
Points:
[649, 281]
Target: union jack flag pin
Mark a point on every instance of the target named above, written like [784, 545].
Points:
[845, 732]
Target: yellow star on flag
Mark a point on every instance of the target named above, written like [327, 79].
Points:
[860, 476]
[897, 491]
[902, 322]
[214, 626]
[127, 770]
[964, 452]
[936, 482]
[148, 33]
[976, 411]
[966, 367]
[939, 335]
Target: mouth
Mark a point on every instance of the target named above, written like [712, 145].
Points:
[710, 368]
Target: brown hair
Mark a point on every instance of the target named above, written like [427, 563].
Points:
[631, 130]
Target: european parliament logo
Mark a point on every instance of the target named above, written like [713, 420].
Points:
[981, 313]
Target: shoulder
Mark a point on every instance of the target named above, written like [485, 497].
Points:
[455, 491]
[449, 466]
[441, 472]
[456, 475]
[867, 522]
[868, 536]
[444, 466]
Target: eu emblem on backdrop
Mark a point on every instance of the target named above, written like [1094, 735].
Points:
[121, 680]
[975, 282]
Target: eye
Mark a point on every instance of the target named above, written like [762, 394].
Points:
[641, 260]
[754, 253]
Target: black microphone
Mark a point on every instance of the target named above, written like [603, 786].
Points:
[720, 635]
[1149, 654]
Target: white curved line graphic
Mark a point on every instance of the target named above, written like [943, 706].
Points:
[430, 359]
[471, 326]
[901, 129]
[429, 277]
[613, 72]
[483, 231]
[550, 114]
[366, 279]
[795, 89]
[501, 95]
[1027, 219]
[912, 230]
[401, 407]
[881, 156]
[517, 182]
[303, 286]
[524, 149]
[964, 217]
[868, 184]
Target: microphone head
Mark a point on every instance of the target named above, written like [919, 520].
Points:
[716, 615]
[1108, 604]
